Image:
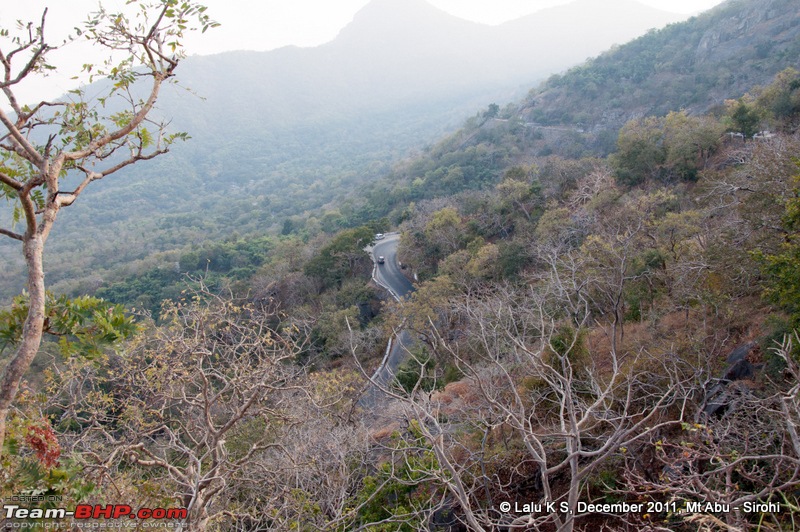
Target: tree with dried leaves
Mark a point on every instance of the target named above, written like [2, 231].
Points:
[745, 453]
[201, 411]
[536, 403]
[76, 139]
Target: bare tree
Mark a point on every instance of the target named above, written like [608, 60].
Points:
[564, 412]
[49, 140]
[747, 453]
[205, 404]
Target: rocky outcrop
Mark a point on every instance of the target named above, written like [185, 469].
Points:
[721, 394]
[748, 29]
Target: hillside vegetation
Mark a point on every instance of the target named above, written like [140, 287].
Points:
[322, 145]
[695, 65]
[606, 315]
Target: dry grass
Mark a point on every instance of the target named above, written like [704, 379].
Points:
[697, 336]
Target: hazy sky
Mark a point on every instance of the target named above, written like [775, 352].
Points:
[274, 23]
[269, 24]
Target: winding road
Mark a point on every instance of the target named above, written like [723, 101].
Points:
[389, 276]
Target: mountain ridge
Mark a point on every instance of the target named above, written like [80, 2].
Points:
[378, 49]
[696, 65]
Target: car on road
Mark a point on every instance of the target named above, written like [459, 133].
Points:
[381, 259]
[379, 236]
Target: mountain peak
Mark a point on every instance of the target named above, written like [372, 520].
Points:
[381, 9]
[383, 20]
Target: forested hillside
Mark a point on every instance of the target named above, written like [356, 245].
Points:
[283, 133]
[321, 165]
[605, 323]
[696, 65]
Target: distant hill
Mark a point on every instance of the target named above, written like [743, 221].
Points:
[694, 65]
[404, 52]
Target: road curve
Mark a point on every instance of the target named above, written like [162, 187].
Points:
[390, 276]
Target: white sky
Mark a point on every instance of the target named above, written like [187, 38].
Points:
[273, 23]
[269, 24]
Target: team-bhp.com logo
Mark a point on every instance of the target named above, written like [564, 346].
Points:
[96, 511]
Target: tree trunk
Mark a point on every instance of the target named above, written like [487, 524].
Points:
[33, 249]
[198, 514]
